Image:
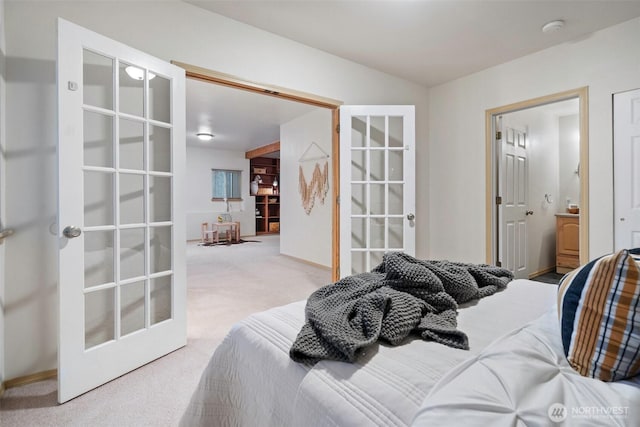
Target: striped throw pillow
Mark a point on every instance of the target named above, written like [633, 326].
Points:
[599, 310]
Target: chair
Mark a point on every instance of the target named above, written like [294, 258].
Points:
[208, 236]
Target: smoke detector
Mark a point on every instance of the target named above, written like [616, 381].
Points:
[553, 26]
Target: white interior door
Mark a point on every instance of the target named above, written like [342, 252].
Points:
[122, 280]
[513, 210]
[377, 184]
[626, 165]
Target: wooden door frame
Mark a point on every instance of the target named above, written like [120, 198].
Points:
[491, 178]
[216, 77]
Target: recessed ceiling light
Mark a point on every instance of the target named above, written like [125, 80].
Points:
[205, 136]
[553, 26]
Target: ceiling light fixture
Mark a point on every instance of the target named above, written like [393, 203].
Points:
[137, 73]
[205, 136]
[553, 26]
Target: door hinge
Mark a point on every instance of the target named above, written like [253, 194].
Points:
[337, 200]
[498, 264]
[498, 200]
[338, 128]
[5, 233]
[498, 135]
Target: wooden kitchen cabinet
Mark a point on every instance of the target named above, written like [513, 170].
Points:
[567, 242]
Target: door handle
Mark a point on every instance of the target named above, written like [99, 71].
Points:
[528, 213]
[71, 231]
[411, 217]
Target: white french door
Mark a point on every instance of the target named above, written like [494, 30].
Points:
[121, 155]
[514, 191]
[626, 169]
[377, 184]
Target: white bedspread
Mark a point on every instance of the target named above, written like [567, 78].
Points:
[250, 380]
[524, 379]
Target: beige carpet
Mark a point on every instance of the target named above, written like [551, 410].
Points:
[225, 284]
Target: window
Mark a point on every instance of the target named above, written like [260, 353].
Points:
[225, 184]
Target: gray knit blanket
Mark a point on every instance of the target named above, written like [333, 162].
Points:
[401, 296]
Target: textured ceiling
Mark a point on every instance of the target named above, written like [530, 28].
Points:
[428, 42]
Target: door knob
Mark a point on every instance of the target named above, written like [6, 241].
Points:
[411, 217]
[71, 231]
[528, 213]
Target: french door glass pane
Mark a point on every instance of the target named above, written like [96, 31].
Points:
[98, 139]
[98, 258]
[358, 262]
[98, 198]
[396, 233]
[131, 198]
[160, 249]
[97, 83]
[358, 131]
[377, 131]
[396, 132]
[132, 304]
[358, 199]
[131, 144]
[358, 165]
[159, 198]
[396, 199]
[159, 149]
[375, 259]
[99, 317]
[376, 165]
[358, 233]
[160, 299]
[377, 199]
[131, 89]
[160, 99]
[396, 164]
[376, 233]
[132, 250]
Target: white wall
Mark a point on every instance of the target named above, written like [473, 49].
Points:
[304, 236]
[199, 207]
[2, 181]
[169, 30]
[568, 161]
[606, 61]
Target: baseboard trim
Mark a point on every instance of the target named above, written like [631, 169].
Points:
[304, 261]
[28, 379]
[543, 271]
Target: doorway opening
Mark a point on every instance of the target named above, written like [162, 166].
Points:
[537, 205]
[210, 76]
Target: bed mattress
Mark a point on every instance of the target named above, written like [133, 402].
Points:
[251, 381]
[523, 379]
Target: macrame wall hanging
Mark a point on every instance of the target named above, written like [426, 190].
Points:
[318, 186]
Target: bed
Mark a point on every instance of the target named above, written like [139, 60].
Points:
[251, 380]
[524, 379]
